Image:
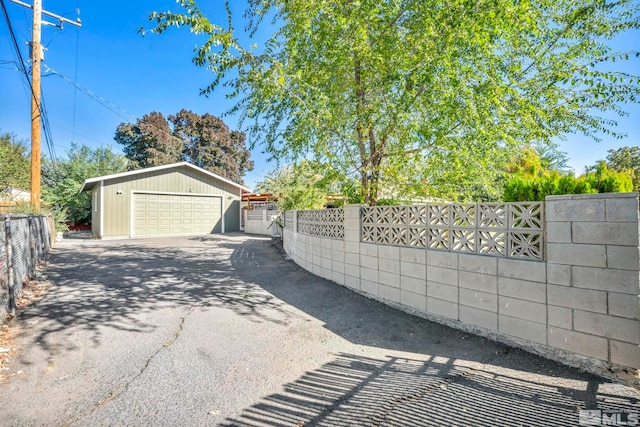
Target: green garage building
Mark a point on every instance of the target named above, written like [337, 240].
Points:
[169, 200]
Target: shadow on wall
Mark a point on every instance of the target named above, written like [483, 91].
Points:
[466, 372]
[360, 391]
[113, 285]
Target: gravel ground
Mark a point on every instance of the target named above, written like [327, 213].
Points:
[223, 330]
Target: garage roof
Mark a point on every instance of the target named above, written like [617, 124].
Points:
[89, 183]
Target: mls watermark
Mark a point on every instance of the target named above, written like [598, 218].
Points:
[607, 417]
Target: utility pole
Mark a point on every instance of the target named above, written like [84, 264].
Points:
[36, 117]
[37, 54]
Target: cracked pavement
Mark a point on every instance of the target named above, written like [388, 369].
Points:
[223, 330]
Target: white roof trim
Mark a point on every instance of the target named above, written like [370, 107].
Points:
[157, 168]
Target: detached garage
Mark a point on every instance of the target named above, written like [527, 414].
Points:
[170, 200]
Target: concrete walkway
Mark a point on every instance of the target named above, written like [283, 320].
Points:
[222, 330]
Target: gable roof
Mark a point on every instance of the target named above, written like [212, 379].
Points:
[89, 183]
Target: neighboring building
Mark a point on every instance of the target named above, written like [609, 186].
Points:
[259, 201]
[16, 195]
[12, 197]
[264, 206]
[175, 199]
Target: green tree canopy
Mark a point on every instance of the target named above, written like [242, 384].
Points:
[203, 140]
[209, 144]
[62, 179]
[530, 178]
[372, 86]
[14, 163]
[551, 157]
[149, 142]
[306, 185]
[626, 159]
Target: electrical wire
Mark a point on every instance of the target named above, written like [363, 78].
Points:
[121, 112]
[76, 133]
[23, 69]
[48, 136]
[19, 61]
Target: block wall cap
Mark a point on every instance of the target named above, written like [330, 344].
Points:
[593, 196]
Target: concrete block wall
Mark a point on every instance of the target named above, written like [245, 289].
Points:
[592, 284]
[261, 225]
[580, 305]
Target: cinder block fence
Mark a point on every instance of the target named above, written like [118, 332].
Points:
[258, 221]
[559, 278]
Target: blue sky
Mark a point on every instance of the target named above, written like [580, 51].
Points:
[137, 75]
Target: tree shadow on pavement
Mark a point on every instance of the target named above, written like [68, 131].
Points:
[98, 285]
[467, 380]
[361, 391]
[454, 379]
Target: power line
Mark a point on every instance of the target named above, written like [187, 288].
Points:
[48, 136]
[23, 69]
[16, 48]
[121, 112]
[38, 113]
[73, 132]
[45, 121]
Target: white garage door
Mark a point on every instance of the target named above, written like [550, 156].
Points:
[171, 214]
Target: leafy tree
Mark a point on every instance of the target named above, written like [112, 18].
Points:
[524, 189]
[448, 175]
[149, 142]
[306, 185]
[626, 159]
[529, 181]
[14, 163]
[606, 180]
[62, 179]
[551, 157]
[209, 144]
[370, 86]
[202, 140]
[465, 176]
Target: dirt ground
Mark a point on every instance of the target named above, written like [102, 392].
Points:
[223, 330]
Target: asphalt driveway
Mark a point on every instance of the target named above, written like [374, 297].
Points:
[223, 330]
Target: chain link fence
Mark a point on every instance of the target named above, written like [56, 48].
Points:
[24, 240]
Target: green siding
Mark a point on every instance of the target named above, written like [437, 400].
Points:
[232, 216]
[117, 195]
[95, 211]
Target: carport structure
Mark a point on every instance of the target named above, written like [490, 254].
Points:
[169, 200]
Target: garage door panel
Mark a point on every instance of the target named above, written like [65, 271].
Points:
[163, 215]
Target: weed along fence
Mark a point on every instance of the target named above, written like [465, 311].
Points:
[24, 240]
[559, 278]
